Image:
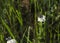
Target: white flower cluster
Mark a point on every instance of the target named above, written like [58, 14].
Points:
[11, 41]
[42, 18]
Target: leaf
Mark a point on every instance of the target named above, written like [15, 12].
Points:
[19, 17]
[8, 28]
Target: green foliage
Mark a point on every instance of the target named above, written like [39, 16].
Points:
[7, 27]
[20, 22]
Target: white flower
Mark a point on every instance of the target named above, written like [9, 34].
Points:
[11, 41]
[41, 18]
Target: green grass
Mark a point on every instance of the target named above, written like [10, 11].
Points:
[18, 26]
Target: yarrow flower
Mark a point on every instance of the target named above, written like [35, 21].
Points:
[9, 40]
[41, 18]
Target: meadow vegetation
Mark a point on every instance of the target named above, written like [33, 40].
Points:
[19, 20]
